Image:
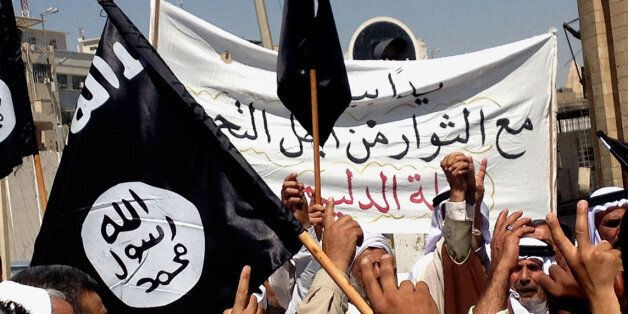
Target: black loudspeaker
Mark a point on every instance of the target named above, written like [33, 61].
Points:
[384, 38]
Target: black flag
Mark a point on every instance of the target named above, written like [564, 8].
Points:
[310, 41]
[17, 130]
[150, 198]
[617, 148]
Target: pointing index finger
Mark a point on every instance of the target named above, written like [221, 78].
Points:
[242, 293]
[582, 224]
[482, 171]
[560, 240]
[328, 213]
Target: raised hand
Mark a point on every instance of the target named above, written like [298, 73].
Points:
[593, 266]
[386, 297]
[561, 284]
[457, 168]
[479, 182]
[505, 243]
[340, 237]
[505, 257]
[315, 212]
[293, 198]
[244, 303]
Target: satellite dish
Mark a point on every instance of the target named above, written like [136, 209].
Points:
[385, 38]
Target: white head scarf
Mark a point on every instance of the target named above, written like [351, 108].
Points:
[593, 233]
[373, 240]
[34, 300]
[546, 260]
[436, 229]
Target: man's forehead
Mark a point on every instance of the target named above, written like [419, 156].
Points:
[542, 233]
[615, 212]
[530, 261]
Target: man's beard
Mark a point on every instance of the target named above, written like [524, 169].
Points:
[535, 303]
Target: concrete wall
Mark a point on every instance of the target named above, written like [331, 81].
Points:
[23, 213]
[43, 39]
[603, 27]
[619, 24]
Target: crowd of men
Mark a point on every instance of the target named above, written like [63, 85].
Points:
[522, 266]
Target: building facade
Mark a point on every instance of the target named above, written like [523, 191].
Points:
[55, 78]
[604, 36]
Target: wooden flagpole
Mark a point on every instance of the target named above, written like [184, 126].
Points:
[316, 145]
[336, 274]
[41, 184]
[305, 238]
[154, 38]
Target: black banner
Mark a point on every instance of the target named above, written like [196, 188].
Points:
[151, 199]
[309, 40]
[17, 130]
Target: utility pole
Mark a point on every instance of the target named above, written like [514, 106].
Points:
[5, 242]
[264, 28]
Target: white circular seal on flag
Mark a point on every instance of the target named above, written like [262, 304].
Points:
[147, 244]
[7, 113]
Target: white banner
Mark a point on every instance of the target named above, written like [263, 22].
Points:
[381, 165]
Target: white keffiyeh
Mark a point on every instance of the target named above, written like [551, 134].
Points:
[593, 233]
[436, 229]
[34, 300]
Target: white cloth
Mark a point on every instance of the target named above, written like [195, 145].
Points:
[305, 268]
[282, 283]
[420, 266]
[34, 300]
[486, 83]
[373, 240]
[262, 297]
[518, 308]
[593, 233]
[546, 260]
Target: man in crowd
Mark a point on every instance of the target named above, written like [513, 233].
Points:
[534, 256]
[18, 298]
[455, 273]
[589, 270]
[606, 210]
[340, 239]
[77, 286]
[592, 267]
[304, 266]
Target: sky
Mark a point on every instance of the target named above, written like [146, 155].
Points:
[448, 27]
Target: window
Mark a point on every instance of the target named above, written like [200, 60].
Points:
[53, 43]
[41, 73]
[77, 82]
[62, 80]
